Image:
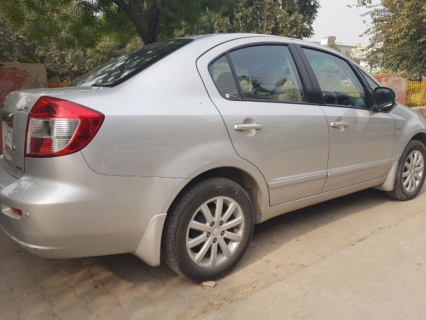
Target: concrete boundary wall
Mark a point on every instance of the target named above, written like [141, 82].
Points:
[396, 82]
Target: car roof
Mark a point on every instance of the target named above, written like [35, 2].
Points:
[217, 37]
[208, 41]
[203, 43]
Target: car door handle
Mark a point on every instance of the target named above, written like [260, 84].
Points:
[247, 126]
[339, 124]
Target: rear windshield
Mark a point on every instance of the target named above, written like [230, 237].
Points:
[126, 66]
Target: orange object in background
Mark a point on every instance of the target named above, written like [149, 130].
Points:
[396, 82]
[416, 93]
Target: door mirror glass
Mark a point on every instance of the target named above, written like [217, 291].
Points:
[384, 99]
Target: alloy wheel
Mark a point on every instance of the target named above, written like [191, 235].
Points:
[413, 171]
[215, 231]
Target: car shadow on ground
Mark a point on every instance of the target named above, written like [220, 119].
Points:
[122, 286]
[268, 236]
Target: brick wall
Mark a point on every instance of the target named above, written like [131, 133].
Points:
[15, 76]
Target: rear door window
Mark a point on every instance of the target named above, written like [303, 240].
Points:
[267, 72]
[221, 73]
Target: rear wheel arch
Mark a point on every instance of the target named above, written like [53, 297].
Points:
[208, 230]
[239, 176]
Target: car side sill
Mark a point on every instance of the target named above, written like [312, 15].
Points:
[150, 246]
[305, 202]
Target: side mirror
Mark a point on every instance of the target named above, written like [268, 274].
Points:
[384, 99]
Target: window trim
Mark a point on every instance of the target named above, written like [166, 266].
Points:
[365, 74]
[305, 81]
[234, 74]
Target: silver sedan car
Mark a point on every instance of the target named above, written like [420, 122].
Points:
[177, 150]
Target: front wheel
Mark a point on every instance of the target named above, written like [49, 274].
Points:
[208, 230]
[410, 174]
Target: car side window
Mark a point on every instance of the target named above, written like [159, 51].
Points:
[338, 82]
[267, 72]
[222, 76]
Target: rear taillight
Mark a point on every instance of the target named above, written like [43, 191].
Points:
[59, 127]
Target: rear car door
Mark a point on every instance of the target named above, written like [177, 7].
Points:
[265, 104]
[361, 140]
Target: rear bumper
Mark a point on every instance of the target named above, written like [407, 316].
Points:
[70, 211]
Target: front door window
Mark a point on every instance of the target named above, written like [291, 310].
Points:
[338, 82]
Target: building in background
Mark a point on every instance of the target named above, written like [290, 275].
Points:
[356, 53]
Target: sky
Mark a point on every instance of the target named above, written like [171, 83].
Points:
[336, 19]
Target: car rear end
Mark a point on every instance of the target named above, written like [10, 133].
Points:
[44, 178]
[52, 203]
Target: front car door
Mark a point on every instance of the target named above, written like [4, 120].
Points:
[264, 102]
[361, 140]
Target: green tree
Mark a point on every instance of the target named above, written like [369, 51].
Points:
[70, 22]
[158, 19]
[66, 35]
[72, 36]
[13, 42]
[398, 35]
[291, 18]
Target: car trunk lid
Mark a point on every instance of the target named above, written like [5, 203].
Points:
[14, 117]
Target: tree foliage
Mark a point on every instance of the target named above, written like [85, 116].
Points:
[34, 31]
[72, 36]
[13, 42]
[291, 18]
[158, 19]
[69, 22]
[66, 35]
[398, 35]
[161, 19]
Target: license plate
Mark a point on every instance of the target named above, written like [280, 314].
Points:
[7, 140]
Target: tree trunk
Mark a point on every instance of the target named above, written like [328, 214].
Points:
[146, 23]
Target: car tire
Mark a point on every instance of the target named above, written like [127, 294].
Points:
[208, 229]
[410, 174]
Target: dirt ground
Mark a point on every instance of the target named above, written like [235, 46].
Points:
[356, 257]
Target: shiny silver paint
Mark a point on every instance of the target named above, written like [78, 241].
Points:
[360, 151]
[168, 125]
[289, 175]
[21, 106]
[71, 211]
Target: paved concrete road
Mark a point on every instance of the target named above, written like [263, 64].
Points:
[357, 257]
